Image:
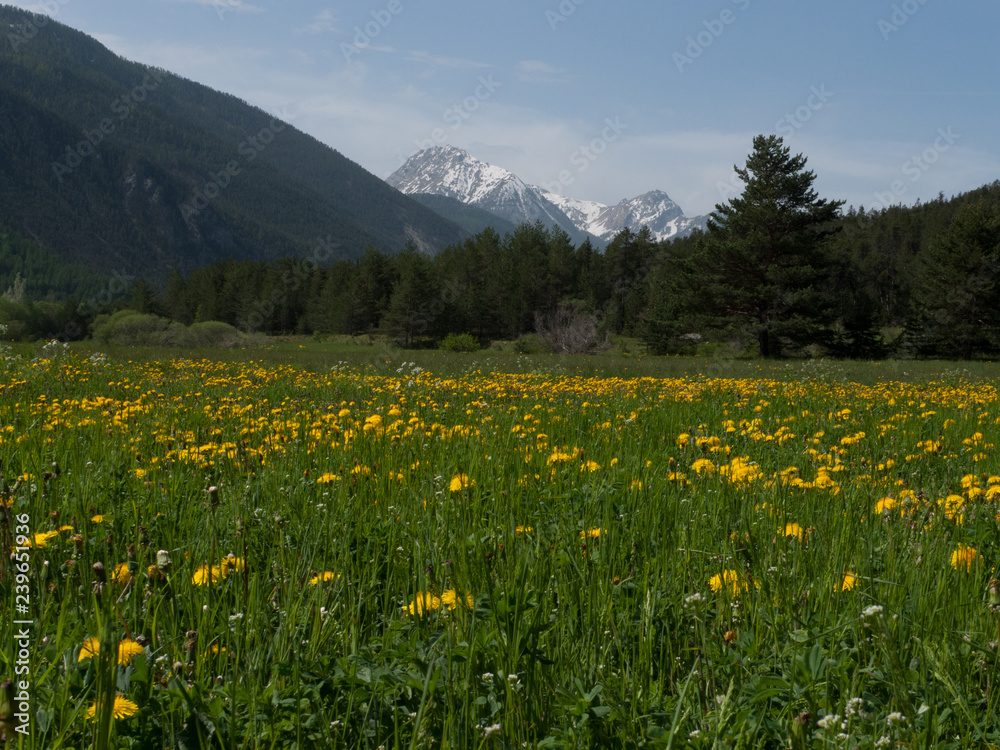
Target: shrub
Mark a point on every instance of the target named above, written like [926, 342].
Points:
[459, 342]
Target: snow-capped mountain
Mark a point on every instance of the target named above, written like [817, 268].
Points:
[452, 172]
[448, 171]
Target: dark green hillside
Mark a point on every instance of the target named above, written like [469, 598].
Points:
[133, 170]
[472, 219]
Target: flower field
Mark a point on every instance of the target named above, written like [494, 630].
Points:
[250, 555]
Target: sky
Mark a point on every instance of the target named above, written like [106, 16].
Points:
[890, 102]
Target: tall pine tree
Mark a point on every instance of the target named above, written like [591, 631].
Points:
[767, 270]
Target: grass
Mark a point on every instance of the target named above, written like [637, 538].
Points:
[317, 544]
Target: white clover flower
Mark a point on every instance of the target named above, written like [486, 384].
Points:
[828, 722]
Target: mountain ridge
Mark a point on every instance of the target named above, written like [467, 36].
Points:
[455, 173]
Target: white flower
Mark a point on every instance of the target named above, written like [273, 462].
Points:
[875, 609]
[896, 719]
[828, 722]
[854, 706]
[491, 730]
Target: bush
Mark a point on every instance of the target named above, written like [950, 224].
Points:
[459, 342]
[570, 331]
[131, 328]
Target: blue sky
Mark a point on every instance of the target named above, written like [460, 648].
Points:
[890, 101]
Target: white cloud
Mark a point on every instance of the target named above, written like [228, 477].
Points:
[536, 71]
[440, 61]
[324, 22]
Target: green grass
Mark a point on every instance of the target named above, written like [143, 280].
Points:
[589, 554]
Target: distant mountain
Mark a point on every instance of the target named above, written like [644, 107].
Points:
[454, 173]
[130, 169]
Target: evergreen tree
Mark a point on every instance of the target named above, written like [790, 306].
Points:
[957, 288]
[767, 270]
[410, 308]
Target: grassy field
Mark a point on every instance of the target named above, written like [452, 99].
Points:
[325, 545]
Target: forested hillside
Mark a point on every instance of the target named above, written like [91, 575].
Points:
[133, 170]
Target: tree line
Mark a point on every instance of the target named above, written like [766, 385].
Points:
[780, 272]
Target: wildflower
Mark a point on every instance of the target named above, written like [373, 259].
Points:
[872, 611]
[847, 582]
[90, 648]
[828, 722]
[452, 599]
[523, 530]
[41, 539]
[423, 602]
[326, 575]
[591, 533]
[460, 482]
[964, 556]
[206, 575]
[231, 563]
[729, 580]
[128, 650]
[590, 466]
[121, 574]
[896, 719]
[122, 708]
[703, 465]
[793, 529]
[328, 477]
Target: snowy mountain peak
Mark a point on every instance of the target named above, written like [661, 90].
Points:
[452, 172]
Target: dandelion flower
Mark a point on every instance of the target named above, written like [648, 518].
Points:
[591, 533]
[122, 708]
[326, 575]
[847, 582]
[964, 557]
[460, 482]
[423, 602]
[793, 529]
[127, 651]
[452, 599]
[121, 574]
[206, 575]
[729, 580]
[90, 648]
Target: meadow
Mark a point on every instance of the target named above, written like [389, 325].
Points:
[306, 546]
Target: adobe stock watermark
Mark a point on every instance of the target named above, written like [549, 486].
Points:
[916, 166]
[714, 28]
[30, 30]
[901, 14]
[123, 106]
[365, 35]
[587, 154]
[562, 13]
[222, 7]
[793, 121]
[249, 149]
[457, 114]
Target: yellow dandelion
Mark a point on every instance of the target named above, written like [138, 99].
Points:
[231, 564]
[847, 582]
[127, 651]
[460, 482]
[41, 539]
[703, 465]
[122, 708]
[523, 529]
[590, 466]
[323, 577]
[328, 477]
[793, 529]
[591, 533]
[121, 574]
[90, 648]
[452, 599]
[205, 575]
[729, 580]
[964, 557]
[423, 602]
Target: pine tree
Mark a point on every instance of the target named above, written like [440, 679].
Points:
[957, 288]
[767, 270]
